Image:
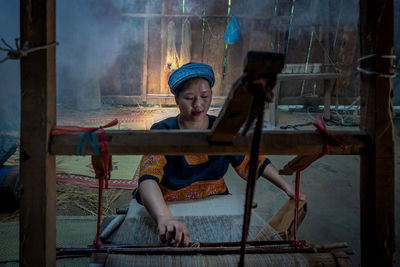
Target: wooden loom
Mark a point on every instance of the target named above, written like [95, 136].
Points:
[374, 142]
[245, 96]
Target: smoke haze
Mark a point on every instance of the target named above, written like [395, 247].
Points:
[93, 37]
[9, 70]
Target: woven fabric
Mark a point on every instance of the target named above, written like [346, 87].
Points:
[212, 219]
[215, 219]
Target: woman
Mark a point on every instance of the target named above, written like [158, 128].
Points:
[169, 178]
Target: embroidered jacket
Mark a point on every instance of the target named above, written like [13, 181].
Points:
[191, 176]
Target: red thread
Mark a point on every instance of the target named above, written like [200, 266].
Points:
[103, 175]
[57, 130]
[296, 203]
[299, 244]
[329, 139]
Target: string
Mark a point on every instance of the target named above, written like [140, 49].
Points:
[380, 74]
[329, 139]
[19, 52]
[99, 147]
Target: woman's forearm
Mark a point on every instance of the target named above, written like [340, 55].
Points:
[169, 228]
[153, 200]
[272, 174]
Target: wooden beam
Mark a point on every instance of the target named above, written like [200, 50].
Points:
[233, 114]
[38, 116]
[302, 100]
[176, 142]
[377, 167]
[309, 76]
[285, 19]
[283, 221]
[152, 99]
[155, 99]
[297, 163]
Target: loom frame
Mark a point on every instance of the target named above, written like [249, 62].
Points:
[38, 116]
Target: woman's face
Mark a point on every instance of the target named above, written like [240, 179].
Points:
[194, 101]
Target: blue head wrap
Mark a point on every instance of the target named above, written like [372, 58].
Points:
[189, 71]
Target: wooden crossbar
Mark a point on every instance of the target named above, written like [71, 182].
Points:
[176, 142]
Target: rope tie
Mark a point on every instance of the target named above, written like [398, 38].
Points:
[329, 140]
[379, 74]
[100, 148]
[19, 52]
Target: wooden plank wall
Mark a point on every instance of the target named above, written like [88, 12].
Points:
[132, 40]
[297, 46]
[214, 45]
[154, 50]
[254, 36]
[333, 40]
[110, 82]
[278, 26]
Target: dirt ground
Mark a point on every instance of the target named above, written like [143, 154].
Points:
[331, 184]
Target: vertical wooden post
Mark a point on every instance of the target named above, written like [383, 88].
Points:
[327, 99]
[38, 115]
[327, 42]
[273, 106]
[377, 167]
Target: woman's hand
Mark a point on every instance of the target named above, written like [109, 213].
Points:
[291, 193]
[171, 229]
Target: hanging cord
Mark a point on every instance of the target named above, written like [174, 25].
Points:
[383, 75]
[329, 140]
[100, 148]
[335, 64]
[348, 108]
[19, 52]
[213, 35]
